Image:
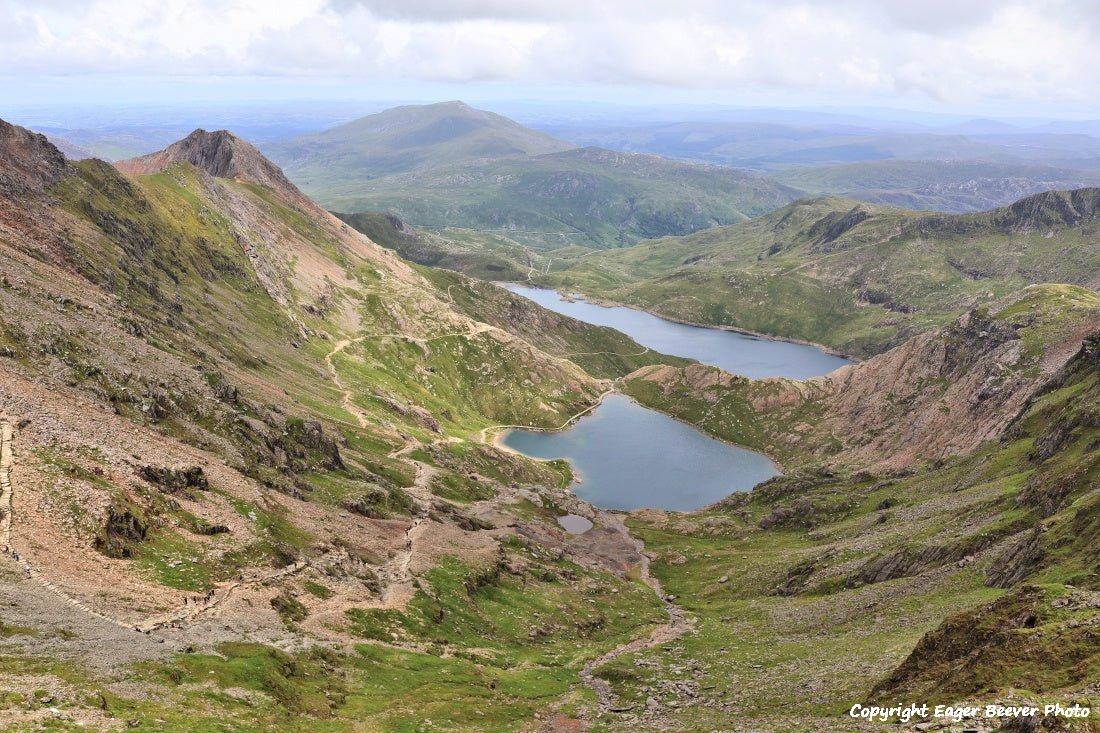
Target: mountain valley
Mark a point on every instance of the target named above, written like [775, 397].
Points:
[248, 465]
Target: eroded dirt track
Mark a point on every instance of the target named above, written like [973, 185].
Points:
[678, 624]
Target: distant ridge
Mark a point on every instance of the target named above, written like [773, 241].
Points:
[448, 165]
[221, 154]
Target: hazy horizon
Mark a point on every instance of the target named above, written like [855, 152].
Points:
[983, 59]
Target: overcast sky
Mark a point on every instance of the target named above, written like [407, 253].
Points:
[1038, 56]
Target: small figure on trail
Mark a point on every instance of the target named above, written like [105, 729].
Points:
[15, 556]
[28, 569]
[185, 600]
[409, 545]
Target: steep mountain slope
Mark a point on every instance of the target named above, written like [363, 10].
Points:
[223, 155]
[853, 276]
[940, 394]
[242, 427]
[452, 166]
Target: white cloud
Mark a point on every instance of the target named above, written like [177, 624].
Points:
[941, 49]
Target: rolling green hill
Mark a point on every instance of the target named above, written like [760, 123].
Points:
[448, 165]
[405, 139]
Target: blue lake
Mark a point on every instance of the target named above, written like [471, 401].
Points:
[737, 353]
[629, 457]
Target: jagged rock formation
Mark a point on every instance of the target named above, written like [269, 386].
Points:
[28, 162]
[223, 155]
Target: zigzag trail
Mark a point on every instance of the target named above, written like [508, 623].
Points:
[186, 612]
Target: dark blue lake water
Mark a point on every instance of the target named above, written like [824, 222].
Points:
[737, 353]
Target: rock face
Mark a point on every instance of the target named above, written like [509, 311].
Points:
[28, 162]
[223, 155]
[946, 392]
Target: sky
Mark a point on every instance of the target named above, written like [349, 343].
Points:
[992, 57]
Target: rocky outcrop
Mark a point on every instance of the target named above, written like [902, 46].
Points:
[1014, 564]
[123, 528]
[223, 155]
[175, 480]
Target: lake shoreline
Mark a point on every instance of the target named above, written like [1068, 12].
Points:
[596, 300]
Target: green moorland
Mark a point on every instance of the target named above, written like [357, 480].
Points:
[192, 354]
[588, 197]
[490, 256]
[856, 277]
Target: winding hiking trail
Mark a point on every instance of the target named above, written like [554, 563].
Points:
[351, 407]
[5, 483]
[678, 624]
[399, 588]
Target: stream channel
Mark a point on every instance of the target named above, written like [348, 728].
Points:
[627, 456]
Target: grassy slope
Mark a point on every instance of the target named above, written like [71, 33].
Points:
[448, 165]
[481, 255]
[856, 277]
[588, 197]
[405, 139]
[799, 621]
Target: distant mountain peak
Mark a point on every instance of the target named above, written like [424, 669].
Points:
[410, 138]
[221, 154]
